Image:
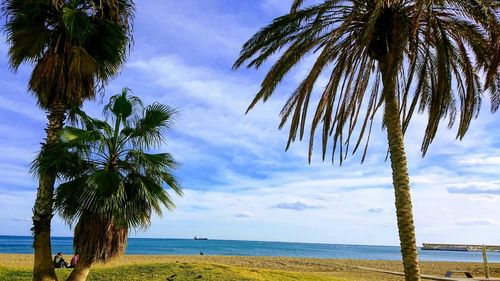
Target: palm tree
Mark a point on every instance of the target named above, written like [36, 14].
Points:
[112, 184]
[403, 54]
[74, 45]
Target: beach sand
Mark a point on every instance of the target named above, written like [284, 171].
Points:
[148, 267]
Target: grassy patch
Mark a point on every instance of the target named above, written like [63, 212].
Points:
[14, 274]
[219, 268]
[175, 272]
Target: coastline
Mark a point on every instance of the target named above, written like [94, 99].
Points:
[215, 247]
[246, 267]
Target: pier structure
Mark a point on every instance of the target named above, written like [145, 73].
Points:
[460, 247]
[466, 247]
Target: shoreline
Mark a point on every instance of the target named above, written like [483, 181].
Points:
[168, 246]
[331, 269]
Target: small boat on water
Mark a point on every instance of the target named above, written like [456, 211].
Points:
[200, 238]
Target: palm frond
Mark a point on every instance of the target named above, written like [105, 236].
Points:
[149, 129]
[122, 105]
[62, 159]
[296, 5]
[118, 186]
[445, 45]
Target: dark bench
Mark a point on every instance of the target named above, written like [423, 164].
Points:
[450, 272]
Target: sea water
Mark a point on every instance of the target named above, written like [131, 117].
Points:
[148, 246]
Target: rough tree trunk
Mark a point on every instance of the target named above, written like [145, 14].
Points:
[43, 268]
[81, 271]
[400, 177]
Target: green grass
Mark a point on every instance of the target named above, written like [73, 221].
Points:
[17, 267]
[175, 272]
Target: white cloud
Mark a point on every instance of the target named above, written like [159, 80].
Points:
[296, 206]
[475, 187]
[15, 212]
[375, 210]
[244, 215]
[484, 160]
[17, 154]
[15, 175]
[19, 107]
[477, 222]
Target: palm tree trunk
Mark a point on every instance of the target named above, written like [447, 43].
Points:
[400, 177]
[81, 271]
[43, 269]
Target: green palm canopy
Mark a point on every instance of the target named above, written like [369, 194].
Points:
[437, 57]
[73, 44]
[111, 184]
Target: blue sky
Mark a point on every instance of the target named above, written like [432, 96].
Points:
[239, 183]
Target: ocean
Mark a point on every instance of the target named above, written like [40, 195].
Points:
[147, 246]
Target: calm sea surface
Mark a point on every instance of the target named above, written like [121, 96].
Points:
[22, 245]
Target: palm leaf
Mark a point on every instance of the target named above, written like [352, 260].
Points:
[116, 185]
[148, 131]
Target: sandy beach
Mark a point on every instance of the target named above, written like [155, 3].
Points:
[149, 267]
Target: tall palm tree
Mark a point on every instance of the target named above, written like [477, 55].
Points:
[403, 54]
[112, 184]
[74, 45]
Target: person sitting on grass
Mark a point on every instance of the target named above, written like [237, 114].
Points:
[59, 261]
[74, 261]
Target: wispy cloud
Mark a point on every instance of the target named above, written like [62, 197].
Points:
[16, 175]
[375, 210]
[21, 219]
[245, 215]
[296, 206]
[484, 160]
[22, 106]
[477, 222]
[475, 188]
